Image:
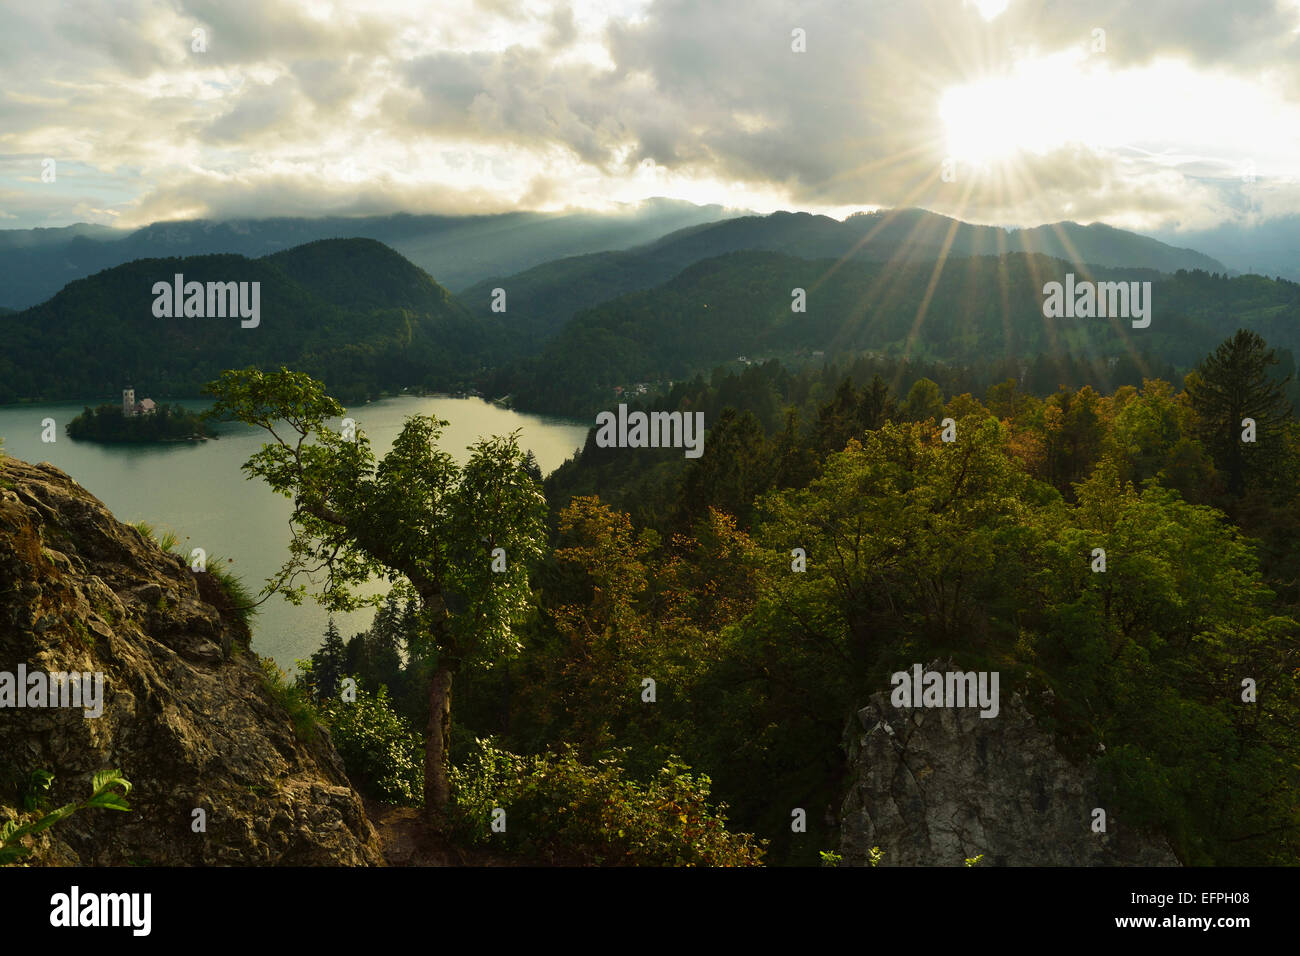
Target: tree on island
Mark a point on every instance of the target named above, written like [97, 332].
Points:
[461, 539]
[107, 423]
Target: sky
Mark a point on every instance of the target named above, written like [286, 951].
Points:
[1149, 114]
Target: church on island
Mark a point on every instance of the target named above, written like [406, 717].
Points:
[130, 407]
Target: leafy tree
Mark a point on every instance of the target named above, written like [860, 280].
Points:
[415, 516]
[1149, 657]
[1146, 430]
[1006, 400]
[924, 402]
[606, 634]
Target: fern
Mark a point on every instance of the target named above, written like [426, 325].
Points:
[104, 796]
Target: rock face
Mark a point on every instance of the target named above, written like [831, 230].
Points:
[936, 786]
[188, 715]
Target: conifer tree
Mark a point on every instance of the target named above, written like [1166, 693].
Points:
[1231, 384]
[328, 663]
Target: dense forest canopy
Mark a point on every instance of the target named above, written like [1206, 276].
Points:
[352, 312]
[946, 462]
[975, 312]
[983, 550]
[565, 339]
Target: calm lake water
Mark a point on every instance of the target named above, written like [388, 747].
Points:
[197, 490]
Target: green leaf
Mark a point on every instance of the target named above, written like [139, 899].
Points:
[108, 801]
[49, 820]
[12, 854]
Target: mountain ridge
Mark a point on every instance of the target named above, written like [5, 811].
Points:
[398, 328]
[990, 308]
[547, 295]
[460, 250]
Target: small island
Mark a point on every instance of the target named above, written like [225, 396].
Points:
[135, 421]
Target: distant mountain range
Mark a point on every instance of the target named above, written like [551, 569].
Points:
[365, 319]
[976, 310]
[544, 298]
[475, 254]
[460, 250]
[1270, 247]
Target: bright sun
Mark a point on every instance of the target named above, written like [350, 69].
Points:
[1031, 109]
[1072, 98]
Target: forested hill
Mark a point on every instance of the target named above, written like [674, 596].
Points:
[543, 298]
[350, 311]
[924, 234]
[972, 310]
[459, 250]
[363, 274]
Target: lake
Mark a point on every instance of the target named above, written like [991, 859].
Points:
[197, 489]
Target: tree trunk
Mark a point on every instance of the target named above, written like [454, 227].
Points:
[437, 788]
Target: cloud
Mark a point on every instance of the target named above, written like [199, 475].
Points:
[372, 106]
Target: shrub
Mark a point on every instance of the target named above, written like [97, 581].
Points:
[383, 757]
[559, 808]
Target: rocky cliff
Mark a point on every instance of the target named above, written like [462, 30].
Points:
[936, 786]
[189, 715]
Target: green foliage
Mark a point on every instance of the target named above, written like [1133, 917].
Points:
[437, 530]
[328, 666]
[1234, 383]
[560, 808]
[924, 402]
[383, 756]
[414, 515]
[240, 599]
[1149, 658]
[830, 857]
[106, 423]
[980, 550]
[294, 699]
[38, 789]
[738, 304]
[349, 311]
[104, 795]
